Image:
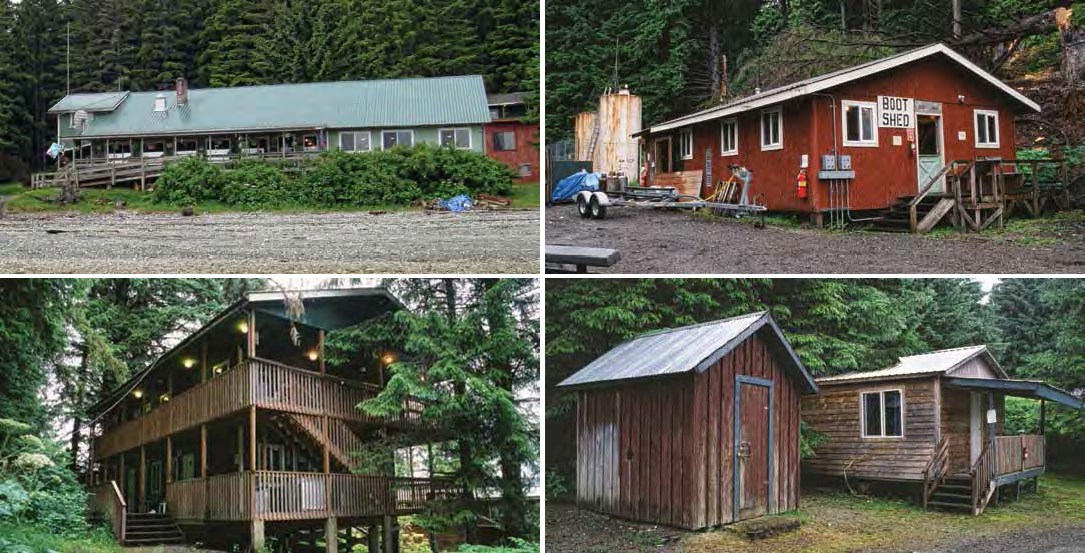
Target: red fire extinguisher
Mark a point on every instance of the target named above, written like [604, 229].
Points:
[802, 183]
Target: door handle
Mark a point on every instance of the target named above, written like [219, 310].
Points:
[743, 451]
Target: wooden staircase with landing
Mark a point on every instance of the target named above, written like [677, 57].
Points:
[342, 441]
[152, 529]
[897, 218]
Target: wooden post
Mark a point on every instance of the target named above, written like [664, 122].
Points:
[203, 451]
[1043, 417]
[388, 539]
[252, 437]
[203, 361]
[252, 335]
[331, 535]
[374, 539]
[257, 532]
[142, 475]
[327, 457]
[991, 425]
[120, 477]
[169, 458]
[320, 349]
[241, 447]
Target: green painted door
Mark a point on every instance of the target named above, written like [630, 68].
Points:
[929, 146]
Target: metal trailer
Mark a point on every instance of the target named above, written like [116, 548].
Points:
[594, 204]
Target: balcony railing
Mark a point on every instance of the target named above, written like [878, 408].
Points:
[273, 495]
[255, 382]
[1013, 454]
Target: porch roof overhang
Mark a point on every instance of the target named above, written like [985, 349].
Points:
[324, 309]
[1033, 389]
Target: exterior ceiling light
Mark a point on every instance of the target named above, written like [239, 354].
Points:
[188, 362]
[313, 355]
[137, 394]
[388, 358]
[243, 327]
[164, 398]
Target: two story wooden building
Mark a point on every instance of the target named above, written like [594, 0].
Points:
[242, 429]
[510, 139]
[933, 423]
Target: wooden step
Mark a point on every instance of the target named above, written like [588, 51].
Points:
[940, 495]
[949, 505]
[956, 487]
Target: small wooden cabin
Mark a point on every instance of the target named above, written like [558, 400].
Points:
[241, 430]
[692, 427]
[924, 125]
[933, 421]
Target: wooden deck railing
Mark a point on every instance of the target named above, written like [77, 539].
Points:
[260, 382]
[1018, 453]
[936, 469]
[111, 503]
[983, 483]
[277, 495]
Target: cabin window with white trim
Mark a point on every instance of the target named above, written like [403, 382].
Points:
[859, 128]
[883, 414]
[354, 141]
[391, 139]
[504, 141]
[772, 129]
[986, 128]
[685, 143]
[455, 138]
[729, 137]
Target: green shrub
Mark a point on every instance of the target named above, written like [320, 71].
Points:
[518, 546]
[35, 487]
[189, 181]
[254, 184]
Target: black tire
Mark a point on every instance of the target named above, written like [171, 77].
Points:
[582, 207]
[598, 211]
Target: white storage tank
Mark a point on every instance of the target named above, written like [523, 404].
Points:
[615, 150]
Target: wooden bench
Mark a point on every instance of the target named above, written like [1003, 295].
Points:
[558, 256]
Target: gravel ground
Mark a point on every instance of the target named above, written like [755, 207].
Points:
[400, 242]
[1070, 539]
[573, 530]
[657, 241]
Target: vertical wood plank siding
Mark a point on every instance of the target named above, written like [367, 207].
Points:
[836, 413]
[663, 452]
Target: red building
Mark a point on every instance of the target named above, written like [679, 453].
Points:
[878, 131]
[511, 140]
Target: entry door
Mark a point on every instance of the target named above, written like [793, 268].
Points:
[975, 428]
[753, 452]
[662, 156]
[929, 146]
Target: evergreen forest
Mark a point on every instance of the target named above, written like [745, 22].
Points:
[146, 44]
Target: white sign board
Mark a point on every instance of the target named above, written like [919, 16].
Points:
[992, 416]
[895, 112]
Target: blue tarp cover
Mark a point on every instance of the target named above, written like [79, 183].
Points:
[569, 186]
[457, 203]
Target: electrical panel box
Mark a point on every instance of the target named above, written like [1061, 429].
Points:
[845, 162]
[828, 162]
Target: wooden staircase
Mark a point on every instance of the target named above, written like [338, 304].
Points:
[897, 218]
[342, 441]
[953, 494]
[152, 529]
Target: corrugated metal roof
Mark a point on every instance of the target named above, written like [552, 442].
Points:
[935, 362]
[678, 350]
[102, 101]
[348, 104]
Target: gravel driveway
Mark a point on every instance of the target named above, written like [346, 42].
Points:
[400, 242]
[657, 241]
[1070, 539]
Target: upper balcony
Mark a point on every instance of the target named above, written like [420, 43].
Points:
[258, 383]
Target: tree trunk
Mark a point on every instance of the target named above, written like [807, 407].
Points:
[713, 61]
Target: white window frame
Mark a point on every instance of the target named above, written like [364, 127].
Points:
[411, 131]
[862, 414]
[779, 110]
[976, 127]
[683, 135]
[873, 107]
[470, 139]
[514, 145]
[369, 140]
[723, 146]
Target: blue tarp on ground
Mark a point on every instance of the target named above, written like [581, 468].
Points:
[457, 203]
[569, 186]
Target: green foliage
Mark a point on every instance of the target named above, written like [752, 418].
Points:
[24, 538]
[398, 176]
[809, 440]
[32, 331]
[35, 488]
[557, 486]
[518, 546]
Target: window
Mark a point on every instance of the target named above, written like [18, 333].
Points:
[495, 112]
[310, 143]
[219, 144]
[772, 129]
[391, 139]
[455, 138]
[883, 414]
[729, 137]
[186, 146]
[986, 128]
[859, 128]
[354, 141]
[504, 141]
[685, 144]
[524, 170]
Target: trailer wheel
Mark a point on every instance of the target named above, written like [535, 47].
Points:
[582, 207]
[598, 211]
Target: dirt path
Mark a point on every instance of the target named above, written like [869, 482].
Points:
[404, 242]
[656, 241]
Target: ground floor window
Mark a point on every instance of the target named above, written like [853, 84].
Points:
[772, 129]
[504, 141]
[685, 143]
[525, 170]
[729, 137]
[154, 148]
[256, 145]
[883, 414]
[357, 141]
[219, 144]
[455, 138]
[187, 146]
[859, 129]
[310, 143]
[986, 128]
[391, 139]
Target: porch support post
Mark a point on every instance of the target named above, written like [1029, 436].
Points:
[324, 447]
[374, 539]
[331, 535]
[252, 437]
[320, 349]
[203, 361]
[120, 475]
[169, 458]
[142, 475]
[257, 531]
[203, 451]
[991, 425]
[388, 540]
[1043, 417]
[252, 334]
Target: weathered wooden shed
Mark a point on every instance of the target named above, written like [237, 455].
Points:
[692, 427]
[933, 421]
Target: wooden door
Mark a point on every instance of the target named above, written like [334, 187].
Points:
[929, 146]
[753, 446]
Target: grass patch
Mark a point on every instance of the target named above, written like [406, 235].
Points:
[1025, 231]
[15, 537]
[11, 189]
[837, 522]
[526, 195]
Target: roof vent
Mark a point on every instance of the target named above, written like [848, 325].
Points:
[160, 103]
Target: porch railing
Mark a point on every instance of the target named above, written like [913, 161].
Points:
[109, 500]
[936, 469]
[983, 481]
[1015, 454]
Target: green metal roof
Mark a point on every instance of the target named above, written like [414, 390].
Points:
[349, 104]
[103, 101]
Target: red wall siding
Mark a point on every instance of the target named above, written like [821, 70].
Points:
[527, 147]
[663, 451]
[883, 173]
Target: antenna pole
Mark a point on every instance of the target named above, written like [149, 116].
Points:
[615, 83]
[68, 61]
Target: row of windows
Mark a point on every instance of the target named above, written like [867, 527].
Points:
[860, 129]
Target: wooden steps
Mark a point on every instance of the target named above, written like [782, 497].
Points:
[954, 494]
[897, 217]
[152, 529]
[342, 442]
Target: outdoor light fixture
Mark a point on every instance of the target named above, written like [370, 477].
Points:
[188, 362]
[313, 355]
[218, 370]
[243, 327]
[137, 394]
[388, 358]
[164, 398]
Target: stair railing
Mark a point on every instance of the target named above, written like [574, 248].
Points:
[113, 506]
[913, 215]
[982, 479]
[935, 471]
